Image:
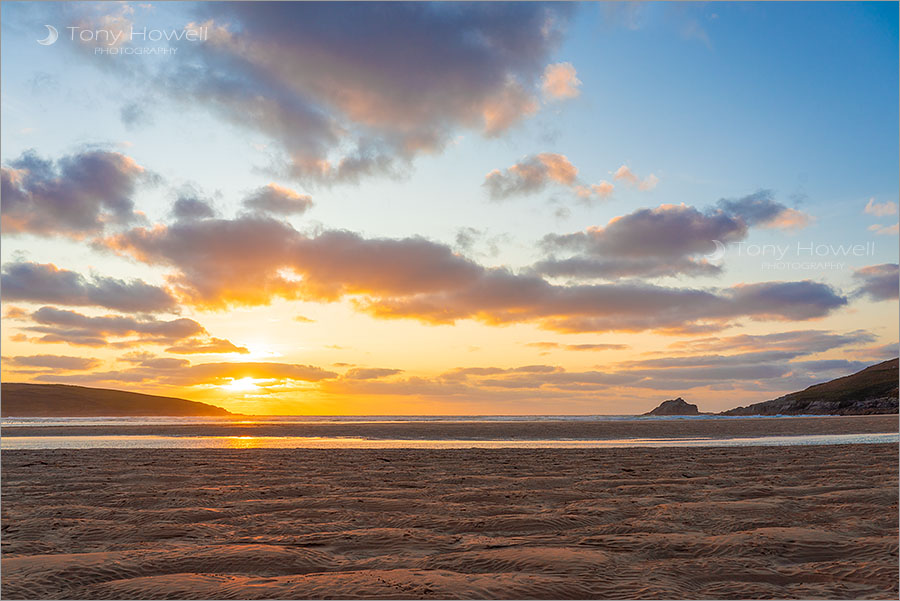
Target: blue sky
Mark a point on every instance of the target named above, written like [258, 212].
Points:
[715, 100]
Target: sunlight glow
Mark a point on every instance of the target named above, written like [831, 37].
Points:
[247, 384]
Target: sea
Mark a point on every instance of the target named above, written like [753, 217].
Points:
[24, 433]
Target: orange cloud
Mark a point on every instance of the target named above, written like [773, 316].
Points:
[197, 346]
[881, 209]
[249, 260]
[560, 82]
[510, 105]
[595, 191]
[788, 219]
[885, 230]
[624, 173]
[534, 173]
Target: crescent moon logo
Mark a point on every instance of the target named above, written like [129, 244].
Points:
[52, 36]
[717, 254]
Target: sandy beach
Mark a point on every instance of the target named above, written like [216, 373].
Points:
[763, 522]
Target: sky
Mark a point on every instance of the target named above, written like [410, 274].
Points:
[452, 209]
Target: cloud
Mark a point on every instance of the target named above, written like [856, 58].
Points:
[197, 346]
[624, 173]
[762, 210]
[58, 325]
[46, 283]
[510, 105]
[15, 313]
[469, 239]
[878, 282]
[578, 347]
[693, 30]
[178, 372]
[629, 15]
[276, 200]
[882, 209]
[55, 362]
[803, 341]
[762, 371]
[145, 359]
[221, 372]
[337, 88]
[560, 82]
[251, 260]
[885, 230]
[768, 370]
[789, 219]
[534, 173]
[785, 301]
[77, 196]
[370, 373]
[599, 191]
[747, 358]
[530, 175]
[878, 353]
[190, 207]
[500, 297]
[133, 115]
[664, 241]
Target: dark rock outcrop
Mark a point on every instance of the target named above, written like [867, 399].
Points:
[870, 391]
[675, 407]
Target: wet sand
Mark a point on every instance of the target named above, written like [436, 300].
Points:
[761, 522]
[509, 430]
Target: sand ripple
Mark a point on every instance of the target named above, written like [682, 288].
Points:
[798, 522]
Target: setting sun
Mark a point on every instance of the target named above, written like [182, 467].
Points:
[241, 385]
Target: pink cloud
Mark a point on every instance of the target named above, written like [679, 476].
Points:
[560, 82]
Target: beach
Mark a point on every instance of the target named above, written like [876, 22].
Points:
[717, 523]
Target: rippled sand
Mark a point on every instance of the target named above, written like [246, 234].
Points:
[795, 522]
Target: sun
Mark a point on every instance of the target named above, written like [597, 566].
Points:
[247, 384]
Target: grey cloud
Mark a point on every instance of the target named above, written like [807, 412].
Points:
[59, 362]
[45, 283]
[803, 341]
[663, 241]
[366, 104]
[759, 207]
[666, 240]
[370, 373]
[879, 282]
[77, 196]
[59, 325]
[277, 200]
[188, 208]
